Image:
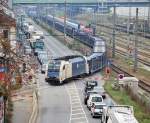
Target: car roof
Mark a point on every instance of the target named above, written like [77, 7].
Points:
[92, 92]
[98, 88]
[95, 95]
[91, 81]
[100, 103]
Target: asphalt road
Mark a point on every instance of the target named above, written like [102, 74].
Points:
[62, 104]
[54, 47]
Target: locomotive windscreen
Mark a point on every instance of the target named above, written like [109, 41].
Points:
[54, 66]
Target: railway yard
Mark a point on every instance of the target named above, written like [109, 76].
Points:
[74, 62]
[124, 62]
[125, 45]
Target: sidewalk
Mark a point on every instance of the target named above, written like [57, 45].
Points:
[22, 108]
[23, 100]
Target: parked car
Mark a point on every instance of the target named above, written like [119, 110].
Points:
[89, 85]
[94, 98]
[37, 51]
[42, 57]
[87, 94]
[27, 50]
[43, 68]
[94, 90]
[97, 109]
[44, 64]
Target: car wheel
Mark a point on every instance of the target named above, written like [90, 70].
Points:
[89, 108]
[93, 115]
[46, 80]
[85, 102]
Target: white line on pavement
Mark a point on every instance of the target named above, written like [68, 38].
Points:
[75, 103]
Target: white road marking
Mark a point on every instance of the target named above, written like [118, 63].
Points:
[78, 118]
[77, 112]
[78, 109]
[75, 103]
[75, 99]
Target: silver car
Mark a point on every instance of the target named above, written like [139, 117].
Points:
[97, 109]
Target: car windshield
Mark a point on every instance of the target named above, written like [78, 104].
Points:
[92, 82]
[96, 99]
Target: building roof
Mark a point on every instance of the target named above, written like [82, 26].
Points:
[6, 20]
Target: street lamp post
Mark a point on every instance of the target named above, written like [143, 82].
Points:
[136, 42]
[53, 19]
[114, 22]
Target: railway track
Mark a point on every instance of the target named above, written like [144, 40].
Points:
[143, 44]
[139, 59]
[146, 36]
[142, 84]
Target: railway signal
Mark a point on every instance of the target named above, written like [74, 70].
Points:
[120, 76]
[107, 72]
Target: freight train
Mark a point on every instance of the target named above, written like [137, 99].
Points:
[63, 69]
[142, 28]
[59, 70]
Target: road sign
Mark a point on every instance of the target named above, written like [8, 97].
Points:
[120, 76]
[2, 69]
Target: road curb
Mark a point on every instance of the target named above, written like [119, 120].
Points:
[35, 108]
[34, 114]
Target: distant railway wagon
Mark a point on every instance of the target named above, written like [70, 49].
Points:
[142, 27]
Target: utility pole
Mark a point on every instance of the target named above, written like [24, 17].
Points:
[114, 23]
[53, 19]
[65, 14]
[136, 42]
[128, 31]
[102, 11]
[149, 17]
[97, 18]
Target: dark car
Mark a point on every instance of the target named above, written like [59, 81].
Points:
[90, 84]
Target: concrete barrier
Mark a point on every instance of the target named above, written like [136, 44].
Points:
[34, 114]
[35, 107]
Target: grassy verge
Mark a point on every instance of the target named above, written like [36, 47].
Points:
[121, 97]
